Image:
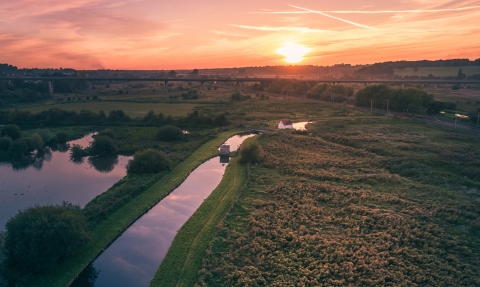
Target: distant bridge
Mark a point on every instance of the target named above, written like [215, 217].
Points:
[50, 80]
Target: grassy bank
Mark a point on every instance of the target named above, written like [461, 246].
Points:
[184, 258]
[106, 232]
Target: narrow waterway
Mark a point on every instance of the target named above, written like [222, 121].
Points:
[50, 177]
[135, 256]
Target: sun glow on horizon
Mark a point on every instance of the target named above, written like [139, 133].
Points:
[293, 52]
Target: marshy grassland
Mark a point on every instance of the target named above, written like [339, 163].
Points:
[379, 203]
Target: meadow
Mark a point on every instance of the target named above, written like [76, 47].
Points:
[383, 202]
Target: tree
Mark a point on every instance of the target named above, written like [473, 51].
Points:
[103, 146]
[172, 74]
[220, 120]
[12, 131]
[40, 238]
[195, 72]
[62, 137]
[251, 152]
[169, 133]
[5, 143]
[461, 75]
[148, 161]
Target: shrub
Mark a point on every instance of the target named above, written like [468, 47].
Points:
[169, 133]
[251, 152]
[148, 161]
[40, 238]
[103, 146]
[220, 120]
[5, 143]
[12, 131]
[62, 137]
[77, 152]
[107, 133]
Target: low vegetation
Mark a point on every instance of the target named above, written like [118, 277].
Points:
[148, 161]
[251, 152]
[169, 133]
[41, 238]
[363, 204]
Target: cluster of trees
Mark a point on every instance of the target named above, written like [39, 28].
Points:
[151, 119]
[23, 92]
[198, 118]
[58, 117]
[13, 144]
[237, 96]
[68, 86]
[336, 93]
[412, 100]
[190, 94]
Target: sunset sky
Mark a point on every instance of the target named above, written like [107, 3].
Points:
[152, 34]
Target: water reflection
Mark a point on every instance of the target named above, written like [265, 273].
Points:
[224, 159]
[104, 164]
[48, 177]
[300, 126]
[134, 257]
[86, 278]
[235, 141]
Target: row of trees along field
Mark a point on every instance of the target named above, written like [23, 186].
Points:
[58, 117]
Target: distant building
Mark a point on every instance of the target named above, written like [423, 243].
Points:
[225, 149]
[285, 124]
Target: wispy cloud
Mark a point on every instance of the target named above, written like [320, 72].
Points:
[277, 29]
[403, 11]
[333, 17]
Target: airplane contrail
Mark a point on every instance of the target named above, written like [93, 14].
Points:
[333, 17]
[373, 12]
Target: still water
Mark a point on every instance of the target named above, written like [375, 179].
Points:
[135, 256]
[50, 178]
[301, 126]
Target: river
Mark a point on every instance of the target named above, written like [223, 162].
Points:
[135, 256]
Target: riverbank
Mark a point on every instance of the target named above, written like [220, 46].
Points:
[106, 232]
[184, 258]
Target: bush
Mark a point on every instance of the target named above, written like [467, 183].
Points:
[103, 146]
[40, 238]
[62, 137]
[5, 143]
[251, 152]
[12, 131]
[107, 133]
[169, 133]
[220, 120]
[77, 152]
[148, 161]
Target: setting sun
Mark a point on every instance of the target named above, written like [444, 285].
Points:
[293, 52]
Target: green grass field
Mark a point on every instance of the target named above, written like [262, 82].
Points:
[131, 109]
[437, 71]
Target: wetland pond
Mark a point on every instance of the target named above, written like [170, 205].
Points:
[51, 178]
[135, 256]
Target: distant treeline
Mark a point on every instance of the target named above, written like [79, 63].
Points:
[387, 68]
[22, 92]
